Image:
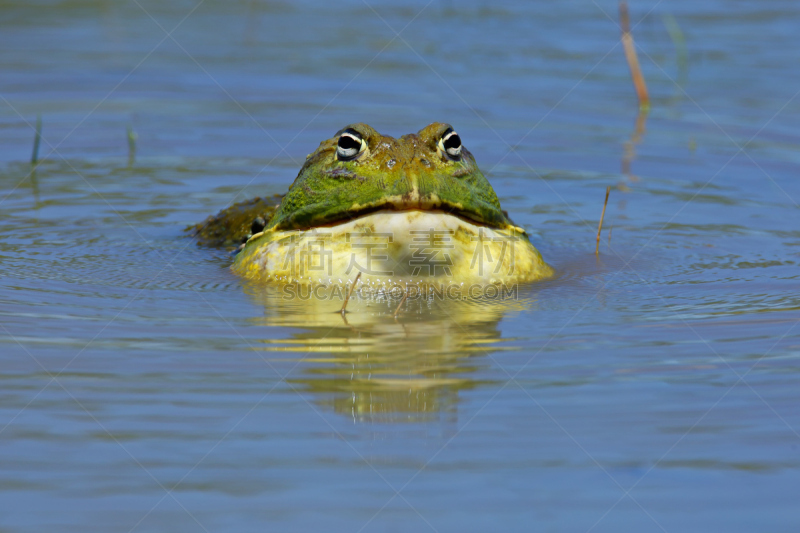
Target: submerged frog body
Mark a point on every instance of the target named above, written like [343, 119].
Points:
[411, 210]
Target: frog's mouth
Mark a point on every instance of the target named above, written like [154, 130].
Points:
[443, 210]
[490, 218]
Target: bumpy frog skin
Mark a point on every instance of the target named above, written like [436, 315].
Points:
[411, 210]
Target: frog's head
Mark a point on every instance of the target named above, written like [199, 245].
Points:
[359, 171]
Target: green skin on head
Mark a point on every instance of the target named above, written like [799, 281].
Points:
[360, 171]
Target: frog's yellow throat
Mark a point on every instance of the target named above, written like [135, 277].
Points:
[392, 248]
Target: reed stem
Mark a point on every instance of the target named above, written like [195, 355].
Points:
[347, 298]
[37, 140]
[600, 226]
[400, 304]
[131, 145]
[630, 54]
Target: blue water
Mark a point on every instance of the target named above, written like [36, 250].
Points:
[650, 388]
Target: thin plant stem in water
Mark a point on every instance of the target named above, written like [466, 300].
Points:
[629, 152]
[37, 140]
[630, 54]
[679, 40]
[600, 226]
[347, 298]
[131, 145]
[400, 304]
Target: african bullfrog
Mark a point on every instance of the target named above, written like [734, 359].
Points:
[411, 210]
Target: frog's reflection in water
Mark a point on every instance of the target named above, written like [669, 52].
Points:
[375, 366]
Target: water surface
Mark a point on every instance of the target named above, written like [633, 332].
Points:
[650, 388]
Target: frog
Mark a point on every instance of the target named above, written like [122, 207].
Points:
[390, 211]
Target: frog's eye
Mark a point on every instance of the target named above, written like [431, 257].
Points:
[450, 143]
[350, 145]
